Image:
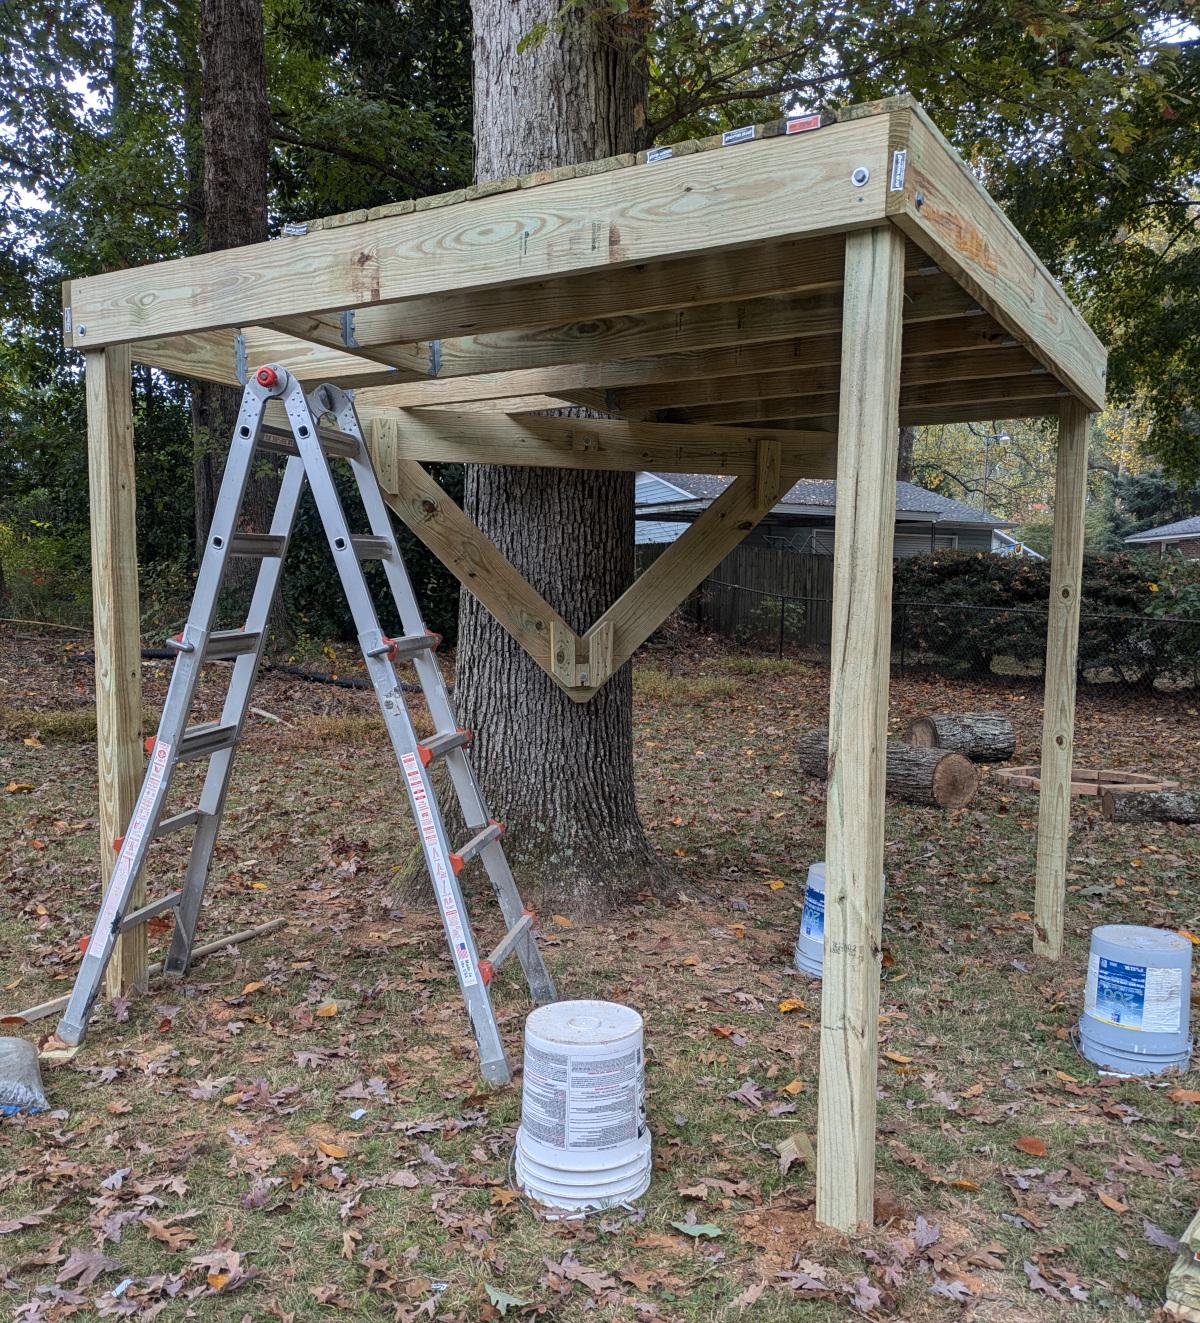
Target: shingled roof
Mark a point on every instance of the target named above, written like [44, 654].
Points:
[818, 496]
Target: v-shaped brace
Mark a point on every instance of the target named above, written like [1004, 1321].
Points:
[581, 665]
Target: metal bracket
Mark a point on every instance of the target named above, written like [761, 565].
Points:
[435, 357]
[240, 366]
[348, 337]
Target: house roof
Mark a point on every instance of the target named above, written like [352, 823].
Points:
[1181, 528]
[819, 496]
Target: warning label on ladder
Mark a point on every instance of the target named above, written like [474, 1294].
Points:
[143, 816]
[442, 880]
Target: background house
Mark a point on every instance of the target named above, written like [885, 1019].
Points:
[1180, 538]
[666, 503]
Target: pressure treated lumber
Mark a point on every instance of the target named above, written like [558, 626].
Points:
[868, 441]
[984, 737]
[918, 774]
[116, 622]
[1062, 647]
[774, 189]
[1151, 805]
[943, 209]
[592, 443]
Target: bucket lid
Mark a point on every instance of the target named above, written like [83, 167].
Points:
[583, 1023]
[1139, 938]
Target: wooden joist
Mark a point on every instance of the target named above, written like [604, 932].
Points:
[593, 443]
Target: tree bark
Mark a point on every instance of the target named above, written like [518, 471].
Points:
[236, 125]
[559, 773]
[1151, 805]
[985, 737]
[921, 776]
[904, 460]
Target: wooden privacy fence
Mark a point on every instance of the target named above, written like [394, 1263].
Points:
[741, 598]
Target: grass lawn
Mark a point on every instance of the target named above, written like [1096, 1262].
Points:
[297, 1131]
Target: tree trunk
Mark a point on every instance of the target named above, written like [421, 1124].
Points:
[921, 776]
[904, 461]
[560, 774]
[236, 123]
[1151, 805]
[985, 737]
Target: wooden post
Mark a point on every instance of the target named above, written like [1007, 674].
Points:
[1062, 645]
[868, 441]
[118, 644]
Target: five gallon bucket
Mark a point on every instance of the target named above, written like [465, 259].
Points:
[583, 1141]
[1136, 1002]
[809, 955]
[810, 944]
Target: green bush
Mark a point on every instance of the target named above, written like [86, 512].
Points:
[44, 572]
[968, 609]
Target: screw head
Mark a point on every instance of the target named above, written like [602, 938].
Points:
[266, 376]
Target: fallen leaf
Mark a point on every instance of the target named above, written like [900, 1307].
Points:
[1031, 1144]
[899, 1058]
[253, 987]
[1157, 1236]
[502, 1195]
[749, 1295]
[18, 788]
[86, 1265]
[332, 1150]
[791, 1004]
[1038, 1283]
[327, 1009]
[697, 1229]
[797, 1147]
[1109, 1202]
[1184, 1095]
[561, 920]
[793, 1087]
[502, 1300]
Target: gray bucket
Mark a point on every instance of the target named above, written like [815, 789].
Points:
[1136, 1000]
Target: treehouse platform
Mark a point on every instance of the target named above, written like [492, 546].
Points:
[771, 305]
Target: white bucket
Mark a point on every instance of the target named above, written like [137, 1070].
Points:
[809, 955]
[583, 1141]
[1136, 1000]
[810, 944]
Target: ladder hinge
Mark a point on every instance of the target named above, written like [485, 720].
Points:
[348, 337]
[435, 357]
[239, 358]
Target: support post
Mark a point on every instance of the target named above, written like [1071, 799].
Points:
[1062, 646]
[116, 620]
[868, 441]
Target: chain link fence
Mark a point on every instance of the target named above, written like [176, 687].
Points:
[1135, 654]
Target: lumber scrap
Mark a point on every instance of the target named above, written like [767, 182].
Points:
[918, 775]
[984, 737]
[1151, 805]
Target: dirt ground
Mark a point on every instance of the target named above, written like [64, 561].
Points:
[297, 1130]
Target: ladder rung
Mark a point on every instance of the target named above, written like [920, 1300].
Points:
[437, 746]
[368, 547]
[277, 441]
[208, 738]
[409, 646]
[223, 643]
[506, 946]
[137, 916]
[177, 822]
[257, 544]
[492, 832]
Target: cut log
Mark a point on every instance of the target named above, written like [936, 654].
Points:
[984, 737]
[919, 775]
[1151, 805]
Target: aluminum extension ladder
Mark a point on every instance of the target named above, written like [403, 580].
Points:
[309, 447]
